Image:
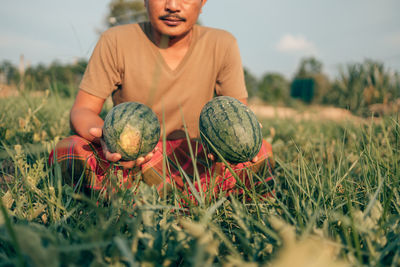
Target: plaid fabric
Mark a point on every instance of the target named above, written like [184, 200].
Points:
[186, 167]
[83, 164]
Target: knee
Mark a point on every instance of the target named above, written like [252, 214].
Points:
[265, 162]
[266, 150]
[72, 141]
[70, 156]
[72, 146]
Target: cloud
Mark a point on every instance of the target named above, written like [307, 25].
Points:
[290, 43]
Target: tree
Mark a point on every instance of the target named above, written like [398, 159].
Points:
[309, 67]
[125, 11]
[273, 87]
[310, 84]
[362, 85]
[9, 72]
[251, 82]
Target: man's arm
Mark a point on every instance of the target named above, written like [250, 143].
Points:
[85, 115]
[243, 100]
[230, 78]
[86, 122]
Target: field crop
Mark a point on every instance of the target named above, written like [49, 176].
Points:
[337, 202]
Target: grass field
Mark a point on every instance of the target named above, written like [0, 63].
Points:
[337, 202]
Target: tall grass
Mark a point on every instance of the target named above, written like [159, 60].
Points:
[337, 202]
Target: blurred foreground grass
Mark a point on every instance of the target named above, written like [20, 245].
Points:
[337, 202]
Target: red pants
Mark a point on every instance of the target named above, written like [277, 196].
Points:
[84, 162]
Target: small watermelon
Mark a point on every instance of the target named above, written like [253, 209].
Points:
[232, 129]
[131, 129]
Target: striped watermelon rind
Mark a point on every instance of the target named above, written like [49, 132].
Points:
[231, 128]
[131, 129]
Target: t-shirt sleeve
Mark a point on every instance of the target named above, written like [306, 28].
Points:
[230, 79]
[102, 75]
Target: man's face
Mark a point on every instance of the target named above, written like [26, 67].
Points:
[173, 17]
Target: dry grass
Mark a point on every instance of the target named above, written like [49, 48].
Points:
[317, 113]
[337, 202]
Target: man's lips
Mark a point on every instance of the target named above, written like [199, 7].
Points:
[172, 20]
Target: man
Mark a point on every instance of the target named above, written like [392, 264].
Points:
[174, 67]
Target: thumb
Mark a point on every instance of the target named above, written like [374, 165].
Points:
[96, 132]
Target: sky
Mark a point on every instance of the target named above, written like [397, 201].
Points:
[273, 36]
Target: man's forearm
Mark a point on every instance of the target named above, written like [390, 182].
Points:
[83, 119]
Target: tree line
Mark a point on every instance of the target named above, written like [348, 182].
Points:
[62, 78]
[362, 88]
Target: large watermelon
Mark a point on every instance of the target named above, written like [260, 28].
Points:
[232, 128]
[131, 129]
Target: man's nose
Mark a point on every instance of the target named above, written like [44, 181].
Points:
[172, 5]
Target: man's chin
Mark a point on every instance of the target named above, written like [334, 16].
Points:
[172, 33]
[176, 34]
[173, 30]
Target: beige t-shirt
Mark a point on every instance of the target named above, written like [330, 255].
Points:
[128, 65]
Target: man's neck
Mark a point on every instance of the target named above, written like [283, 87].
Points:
[172, 49]
[172, 42]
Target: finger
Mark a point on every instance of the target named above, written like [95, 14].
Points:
[261, 126]
[114, 157]
[127, 164]
[148, 157]
[96, 132]
[109, 155]
[140, 161]
[255, 159]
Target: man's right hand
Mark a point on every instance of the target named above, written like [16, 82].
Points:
[86, 122]
[97, 133]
